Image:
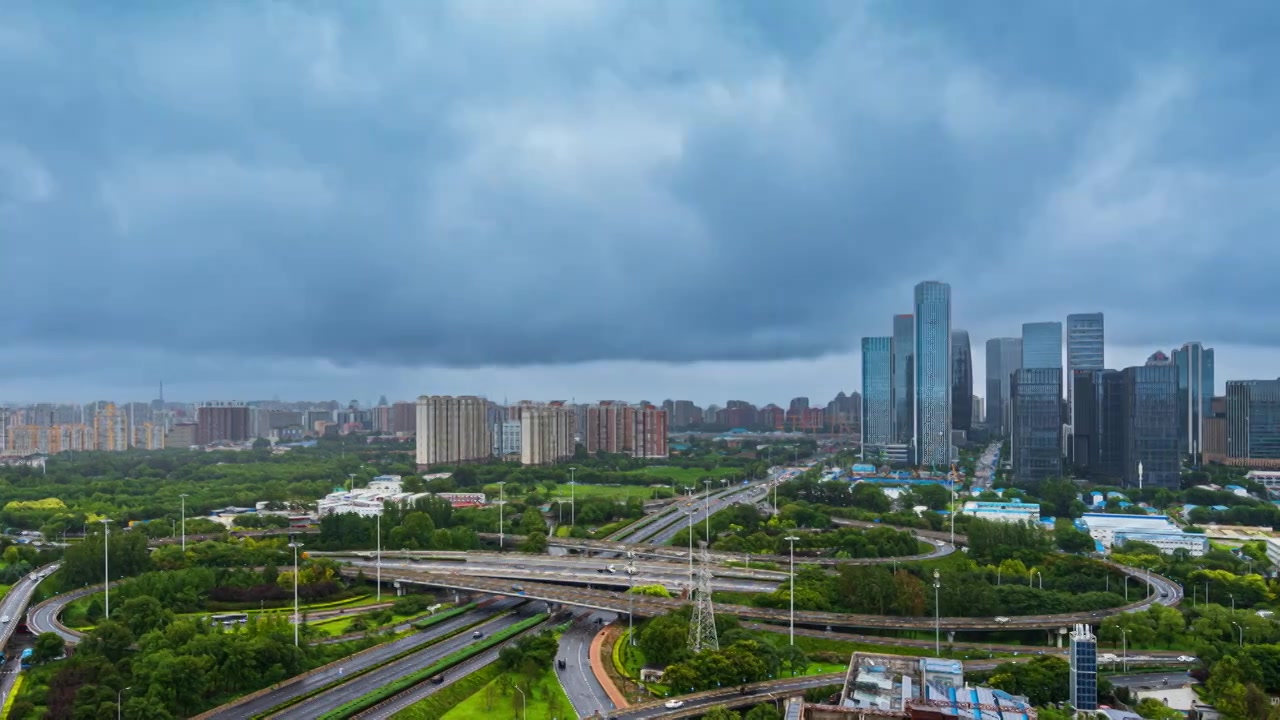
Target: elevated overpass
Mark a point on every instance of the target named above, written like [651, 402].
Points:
[1165, 592]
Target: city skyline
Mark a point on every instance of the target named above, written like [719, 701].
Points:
[581, 198]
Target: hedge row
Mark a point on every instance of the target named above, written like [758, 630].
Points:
[342, 679]
[392, 689]
[434, 706]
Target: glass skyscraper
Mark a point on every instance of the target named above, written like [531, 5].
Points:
[877, 391]
[1036, 440]
[1253, 419]
[1004, 356]
[1042, 345]
[1195, 396]
[933, 373]
[904, 343]
[1151, 433]
[1086, 349]
[961, 381]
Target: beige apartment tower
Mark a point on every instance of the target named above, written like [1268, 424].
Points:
[452, 430]
[546, 433]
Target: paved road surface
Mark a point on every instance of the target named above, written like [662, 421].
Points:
[359, 686]
[14, 605]
[44, 617]
[426, 690]
[1149, 681]
[731, 698]
[272, 699]
[578, 680]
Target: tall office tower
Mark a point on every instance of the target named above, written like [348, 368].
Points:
[1195, 396]
[452, 430]
[1084, 669]
[110, 428]
[933, 373]
[1151, 431]
[1036, 440]
[222, 422]
[979, 414]
[546, 433]
[877, 391]
[961, 381]
[1086, 349]
[1253, 421]
[1004, 356]
[1042, 345]
[904, 368]
[4, 429]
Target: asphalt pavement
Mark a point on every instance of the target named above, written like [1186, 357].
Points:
[731, 698]
[371, 658]
[579, 682]
[14, 605]
[357, 687]
[1149, 681]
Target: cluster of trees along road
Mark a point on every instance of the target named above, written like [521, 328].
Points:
[744, 529]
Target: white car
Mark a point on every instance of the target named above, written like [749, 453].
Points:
[1186, 658]
[4, 619]
[1002, 620]
[673, 704]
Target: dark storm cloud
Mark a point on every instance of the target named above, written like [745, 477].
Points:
[475, 183]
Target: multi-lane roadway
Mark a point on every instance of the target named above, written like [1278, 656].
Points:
[369, 659]
[12, 608]
[585, 692]
[362, 685]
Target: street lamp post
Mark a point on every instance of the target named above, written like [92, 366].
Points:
[1124, 649]
[119, 693]
[937, 614]
[1241, 629]
[378, 560]
[524, 705]
[792, 539]
[631, 587]
[184, 521]
[573, 513]
[106, 566]
[297, 576]
[501, 536]
[691, 513]
[708, 484]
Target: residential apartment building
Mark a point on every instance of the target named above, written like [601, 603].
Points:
[637, 430]
[877, 391]
[932, 391]
[404, 418]
[222, 422]
[452, 430]
[110, 428]
[546, 433]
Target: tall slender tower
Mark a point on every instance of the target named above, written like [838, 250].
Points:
[961, 381]
[877, 401]
[702, 626]
[903, 381]
[932, 373]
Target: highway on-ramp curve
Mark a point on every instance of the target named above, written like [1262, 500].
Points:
[577, 678]
[357, 687]
[13, 605]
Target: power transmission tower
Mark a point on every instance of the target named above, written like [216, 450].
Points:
[702, 626]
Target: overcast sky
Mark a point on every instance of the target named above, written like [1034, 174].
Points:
[633, 200]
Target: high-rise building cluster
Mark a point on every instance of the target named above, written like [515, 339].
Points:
[48, 428]
[1060, 406]
[917, 383]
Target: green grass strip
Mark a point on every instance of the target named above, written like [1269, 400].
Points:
[392, 689]
[434, 706]
[448, 614]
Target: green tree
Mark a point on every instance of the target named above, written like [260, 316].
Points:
[1153, 709]
[722, 713]
[143, 614]
[48, 646]
[763, 712]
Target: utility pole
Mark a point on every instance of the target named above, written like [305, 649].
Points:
[501, 536]
[573, 513]
[297, 577]
[937, 614]
[708, 484]
[702, 627]
[378, 561]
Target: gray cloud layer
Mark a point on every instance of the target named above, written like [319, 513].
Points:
[491, 183]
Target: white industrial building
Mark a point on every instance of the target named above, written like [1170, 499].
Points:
[367, 501]
[1110, 529]
[1009, 512]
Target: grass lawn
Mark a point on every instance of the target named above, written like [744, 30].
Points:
[4, 590]
[500, 700]
[616, 492]
[687, 476]
[74, 614]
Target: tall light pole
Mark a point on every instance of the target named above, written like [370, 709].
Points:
[297, 576]
[378, 560]
[183, 496]
[524, 704]
[106, 566]
[119, 693]
[708, 484]
[351, 481]
[792, 539]
[631, 594]
[501, 536]
[691, 514]
[573, 514]
[1241, 629]
[937, 614]
[1124, 649]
